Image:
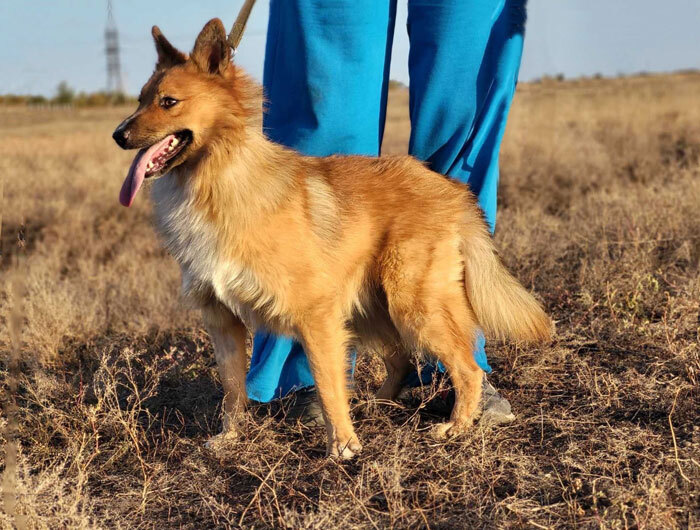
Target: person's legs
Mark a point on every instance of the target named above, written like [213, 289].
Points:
[325, 80]
[463, 65]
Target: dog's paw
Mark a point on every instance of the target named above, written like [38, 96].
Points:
[450, 429]
[221, 440]
[345, 449]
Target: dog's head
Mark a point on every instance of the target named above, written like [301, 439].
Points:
[187, 102]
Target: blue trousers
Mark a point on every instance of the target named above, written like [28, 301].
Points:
[326, 77]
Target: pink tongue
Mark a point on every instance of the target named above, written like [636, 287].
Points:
[137, 171]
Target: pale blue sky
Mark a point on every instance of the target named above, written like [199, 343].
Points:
[45, 41]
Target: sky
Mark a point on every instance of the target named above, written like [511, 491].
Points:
[44, 42]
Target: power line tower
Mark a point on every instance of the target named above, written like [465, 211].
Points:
[115, 85]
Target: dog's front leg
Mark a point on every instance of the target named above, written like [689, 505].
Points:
[228, 334]
[326, 340]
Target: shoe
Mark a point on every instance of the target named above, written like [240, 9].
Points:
[495, 409]
[305, 408]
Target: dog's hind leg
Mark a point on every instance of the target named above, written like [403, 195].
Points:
[325, 340]
[228, 334]
[428, 305]
[398, 365]
[375, 331]
[448, 331]
[451, 335]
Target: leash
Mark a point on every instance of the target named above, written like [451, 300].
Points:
[234, 38]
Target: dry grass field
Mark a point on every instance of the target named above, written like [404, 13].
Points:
[116, 388]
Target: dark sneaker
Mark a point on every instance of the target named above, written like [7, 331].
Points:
[304, 406]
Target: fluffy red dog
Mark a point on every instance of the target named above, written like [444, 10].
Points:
[332, 251]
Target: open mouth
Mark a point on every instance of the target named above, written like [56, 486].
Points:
[153, 161]
[165, 152]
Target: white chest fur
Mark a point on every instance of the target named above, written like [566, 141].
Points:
[192, 240]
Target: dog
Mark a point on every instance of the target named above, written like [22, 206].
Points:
[334, 251]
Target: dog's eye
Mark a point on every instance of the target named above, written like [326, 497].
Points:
[167, 102]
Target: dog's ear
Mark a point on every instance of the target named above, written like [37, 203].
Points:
[211, 52]
[168, 55]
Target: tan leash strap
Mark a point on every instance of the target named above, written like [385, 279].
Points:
[234, 38]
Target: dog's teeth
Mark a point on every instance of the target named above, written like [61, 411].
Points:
[170, 148]
[174, 142]
[150, 165]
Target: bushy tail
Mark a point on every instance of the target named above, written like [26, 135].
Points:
[503, 307]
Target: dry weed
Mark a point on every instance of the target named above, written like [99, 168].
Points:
[117, 388]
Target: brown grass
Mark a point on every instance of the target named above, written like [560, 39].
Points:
[117, 390]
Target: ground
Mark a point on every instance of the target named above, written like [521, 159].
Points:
[114, 391]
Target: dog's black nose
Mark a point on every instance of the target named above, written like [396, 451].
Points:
[121, 136]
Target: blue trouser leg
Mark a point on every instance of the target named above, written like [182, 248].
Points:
[326, 72]
[326, 76]
[463, 65]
